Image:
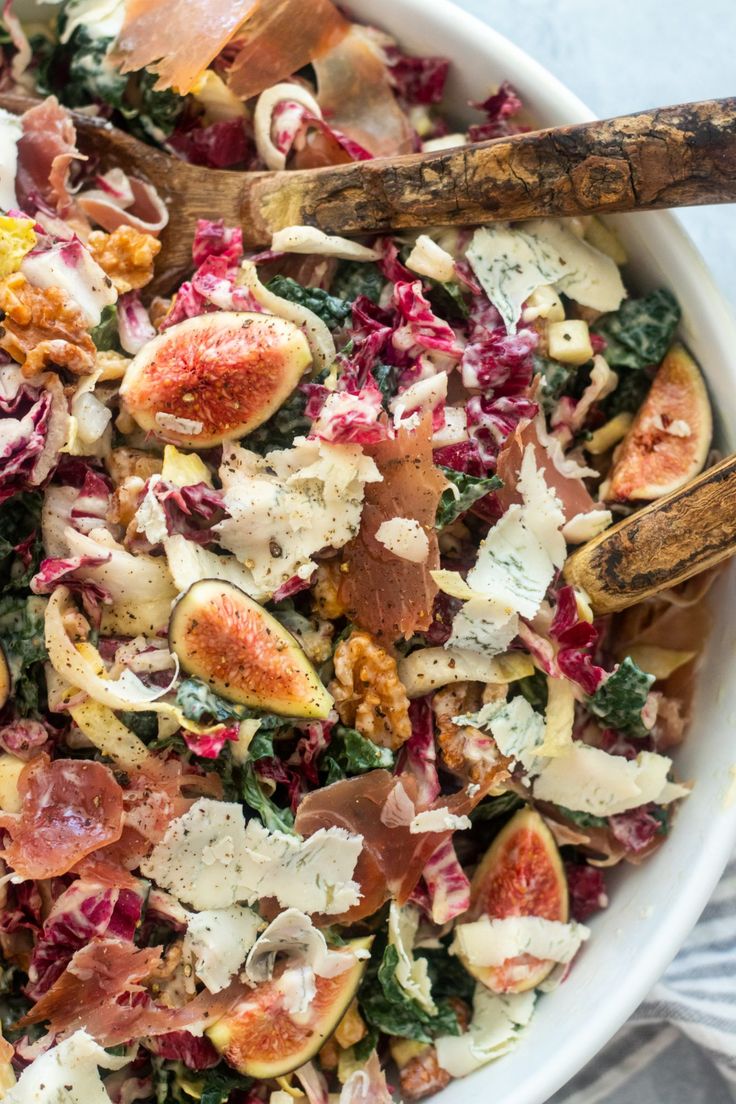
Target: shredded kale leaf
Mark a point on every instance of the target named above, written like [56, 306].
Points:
[200, 704]
[143, 724]
[467, 490]
[620, 699]
[583, 820]
[279, 431]
[354, 278]
[640, 332]
[555, 377]
[447, 300]
[349, 753]
[220, 1082]
[387, 1007]
[105, 334]
[387, 380]
[494, 807]
[447, 974]
[334, 312]
[274, 818]
[629, 395]
[20, 518]
[22, 634]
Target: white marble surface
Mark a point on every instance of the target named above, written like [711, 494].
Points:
[625, 55]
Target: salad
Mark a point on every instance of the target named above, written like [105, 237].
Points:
[312, 763]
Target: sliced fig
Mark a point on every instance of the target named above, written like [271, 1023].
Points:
[6, 679]
[223, 637]
[261, 1039]
[521, 874]
[214, 377]
[669, 438]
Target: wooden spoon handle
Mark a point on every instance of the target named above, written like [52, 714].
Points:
[668, 157]
[678, 536]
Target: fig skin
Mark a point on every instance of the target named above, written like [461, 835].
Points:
[651, 461]
[521, 874]
[229, 370]
[223, 637]
[260, 1039]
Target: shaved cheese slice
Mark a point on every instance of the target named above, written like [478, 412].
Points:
[438, 820]
[315, 874]
[483, 625]
[493, 1031]
[491, 942]
[293, 936]
[411, 973]
[512, 263]
[308, 239]
[588, 780]
[429, 668]
[68, 1073]
[405, 538]
[218, 941]
[583, 527]
[517, 729]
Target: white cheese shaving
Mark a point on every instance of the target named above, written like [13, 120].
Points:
[405, 538]
[293, 936]
[196, 859]
[589, 780]
[218, 941]
[483, 626]
[583, 527]
[297, 987]
[491, 942]
[189, 427]
[517, 729]
[512, 263]
[11, 130]
[315, 874]
[66, 1074]
[493, 1031]
[106, 16]
[411, 973]
[308, 239]
[290, 504]
[150, 517]
[430, 259]
[438, 820]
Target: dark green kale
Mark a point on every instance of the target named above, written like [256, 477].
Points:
[494, 807]
[555, 379]
[20, 519]
[334, 312]
[640, 332]
[143, 724]
[619, 700]
[105, 334]
[465, 490]
[629, 395]
[203, 706]
[583, 820]
[279, 431]
[389, 1008]
[349, 753]
[448, 300]
[22, 634]
[534, 689]
[387, 379]
[219, 1083]
[354, 278]
[273, 816]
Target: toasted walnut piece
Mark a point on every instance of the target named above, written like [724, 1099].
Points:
[368, 693]
[158, 310]
[422, 1076]
[467, 751]
[44, 328]
[124, 501]
[110, 365]
[325, 590]
[126, 256]
[351, 1028]
[124, 462]
[329, 1055]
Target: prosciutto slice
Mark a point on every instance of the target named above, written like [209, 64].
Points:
[69, 808]
[122, 200]
[101, 991]
[46, 150]
[570, 489]
[279, 38]
[393, 859]
[384, 594]
[356, 96]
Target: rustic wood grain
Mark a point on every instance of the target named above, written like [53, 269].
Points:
[667, 542]
[668, 157]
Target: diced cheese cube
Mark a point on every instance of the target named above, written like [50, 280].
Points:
[569, 341]
[544, 303]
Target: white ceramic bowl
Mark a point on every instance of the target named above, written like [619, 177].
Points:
[653, 906]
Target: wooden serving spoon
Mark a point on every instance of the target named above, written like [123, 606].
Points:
[667, 157]
[663, 544]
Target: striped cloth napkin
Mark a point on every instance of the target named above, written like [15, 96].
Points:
[680, 1046]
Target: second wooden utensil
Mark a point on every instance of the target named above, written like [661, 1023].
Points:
[663, 544]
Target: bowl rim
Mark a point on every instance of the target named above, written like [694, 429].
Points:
[699, 882]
